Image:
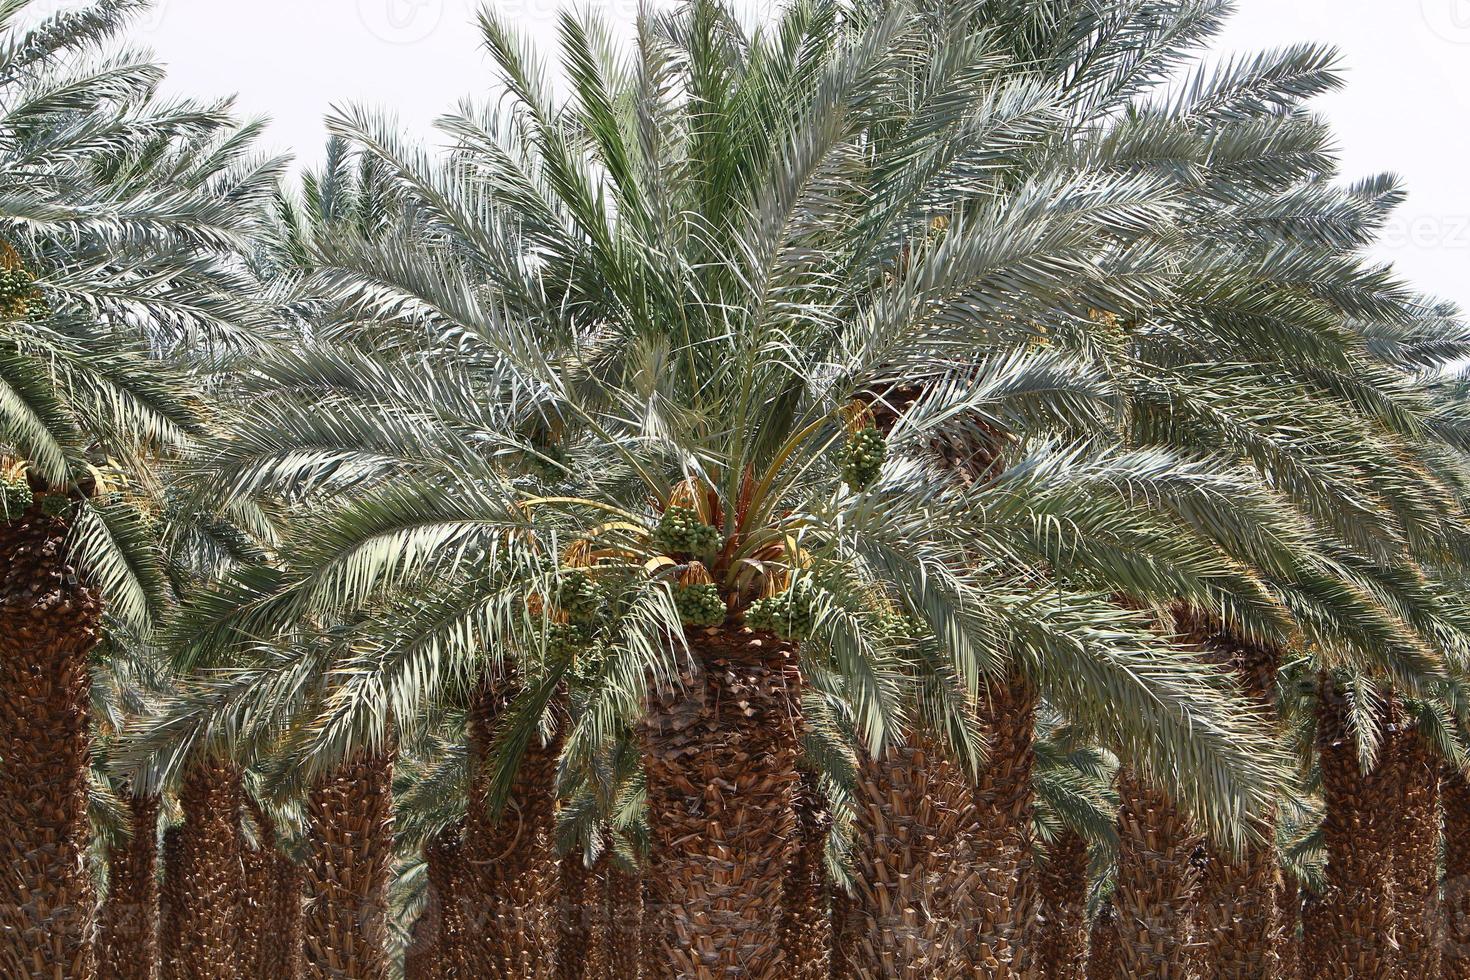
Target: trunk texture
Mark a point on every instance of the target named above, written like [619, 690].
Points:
[1061, 935]
[583, 947]
[1314, 932]
[1354, 922]
[625, 932]
[1000, 844]
[1455, 914]
[511, 891]
[720, 757]
[437, 947]
[128, 938]
[942, 868]
[49, 623]
[1158, 884]
[171, 902]
[1104, 960]
[1239, 925]
[276, 887]
[807, 909]
[347, 875]
[209, 903]
[1415, 844]
[914, 810]
[1289, 901]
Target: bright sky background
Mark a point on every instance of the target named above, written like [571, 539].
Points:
[1405, 109]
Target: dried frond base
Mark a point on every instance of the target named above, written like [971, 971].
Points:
[720, 757]
[347, 875]
[49, 623]
[127, 946]
[511, 890]
[1060, 941]
[209, 901]
[1157, 884]
[1351, 924]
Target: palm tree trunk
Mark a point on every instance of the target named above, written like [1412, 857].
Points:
[1354, 922]
[1312, 958]
[625, 931]
[437, 947]
[914, 807]
[1289, 901]
[171, 902]
[1104, 960]
[1000, 845]
[1415, 848]
[513, 875]
[1157, 884]
[720, 758]
[807, 903]
[348, 872]
[421, 958]
[285, 952]
[49, 623]
[583, 947]
[942, 872]
[209, 901]
[1061, 937]
[1239, 924]
[275, 894]
[128, 936]
[1455, 914]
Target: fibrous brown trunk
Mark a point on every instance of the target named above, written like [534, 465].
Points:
[1354, 920]
[209, 906]
[171, 903]
[1157, 884]
[807, 904]
[1314, 932]
[1239, 925]
[1000, 844]
[942, 867]
[915, 809]
[128, 934]
[274, 917]
[1455, 909]
[1103, 957]
[511, 890]
[285, 951]
[582, 950]
[49, 622]
[348, 871]
[625, 926]
[1060, 941]
[437, 945]
[1289, 901]
[720, 757]
[1414, 827]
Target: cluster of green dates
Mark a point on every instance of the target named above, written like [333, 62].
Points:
[19, 296]
[681, 532]
[568, 641]
[791, 614]
[902, 629]
[700, 605]
[863, 460]
[15, 496]
[580, 597]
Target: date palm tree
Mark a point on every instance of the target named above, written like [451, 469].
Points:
[634, 357]
[118, 208]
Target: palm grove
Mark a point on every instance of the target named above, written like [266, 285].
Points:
[891, 489]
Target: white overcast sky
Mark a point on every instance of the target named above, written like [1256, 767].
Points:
[1405, 108]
